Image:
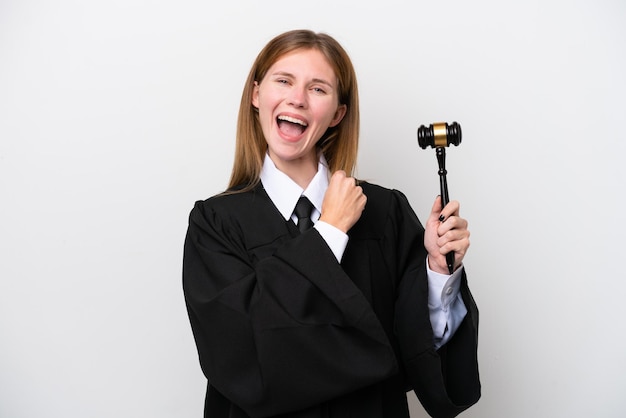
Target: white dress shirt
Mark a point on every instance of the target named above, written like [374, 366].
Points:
[447, 309]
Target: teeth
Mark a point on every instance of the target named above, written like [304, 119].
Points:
[292, 120]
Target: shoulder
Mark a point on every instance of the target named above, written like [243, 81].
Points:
[235, 197]
[245, 218]
[231, 204]
[384, 207]
[381, 198]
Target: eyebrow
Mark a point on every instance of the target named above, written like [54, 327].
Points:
[315, 80]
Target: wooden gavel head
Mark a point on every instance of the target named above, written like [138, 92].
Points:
[439, 135]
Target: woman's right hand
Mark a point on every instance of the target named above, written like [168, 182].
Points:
[343, 203]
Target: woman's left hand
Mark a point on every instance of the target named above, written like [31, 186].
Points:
[445, 231]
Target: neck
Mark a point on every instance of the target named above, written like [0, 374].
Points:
[301, 170]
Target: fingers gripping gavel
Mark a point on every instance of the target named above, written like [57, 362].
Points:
[439, 136]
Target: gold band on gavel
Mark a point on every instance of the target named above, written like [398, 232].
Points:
[440, 137]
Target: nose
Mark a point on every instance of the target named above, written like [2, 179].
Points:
[297, 97]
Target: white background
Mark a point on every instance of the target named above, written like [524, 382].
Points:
[115, 116]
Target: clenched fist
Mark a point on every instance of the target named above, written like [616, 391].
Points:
[343, 203]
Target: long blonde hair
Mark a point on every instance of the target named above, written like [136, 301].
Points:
[338, 144]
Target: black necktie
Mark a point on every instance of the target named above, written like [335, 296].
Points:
[303, 210]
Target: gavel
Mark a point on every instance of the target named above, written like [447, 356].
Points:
[439, 136]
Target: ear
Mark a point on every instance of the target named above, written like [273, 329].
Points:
[255, 94]
[339, 114]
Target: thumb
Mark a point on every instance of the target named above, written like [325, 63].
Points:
[437, 208]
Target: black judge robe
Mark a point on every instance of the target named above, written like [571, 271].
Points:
[283, 329]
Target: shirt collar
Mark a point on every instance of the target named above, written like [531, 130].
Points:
[284, 192]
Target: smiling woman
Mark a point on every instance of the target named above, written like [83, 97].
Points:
[251, 145]
[311, 294]
[297, 101]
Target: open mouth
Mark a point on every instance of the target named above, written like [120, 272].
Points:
[291, 126]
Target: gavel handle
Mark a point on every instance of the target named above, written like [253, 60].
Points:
[443, 186]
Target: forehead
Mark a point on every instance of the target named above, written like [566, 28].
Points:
[305, 63]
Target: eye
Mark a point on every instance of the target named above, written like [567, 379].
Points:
[318, 90]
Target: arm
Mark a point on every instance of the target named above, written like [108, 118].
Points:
[445, 304]
[283, 333]
[446, 380]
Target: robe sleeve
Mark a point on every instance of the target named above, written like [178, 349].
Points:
[282, 333]
[446, 381]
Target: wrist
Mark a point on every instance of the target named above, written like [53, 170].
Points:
[335, 223]
[436, 267]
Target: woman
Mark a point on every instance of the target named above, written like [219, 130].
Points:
[337, 320]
